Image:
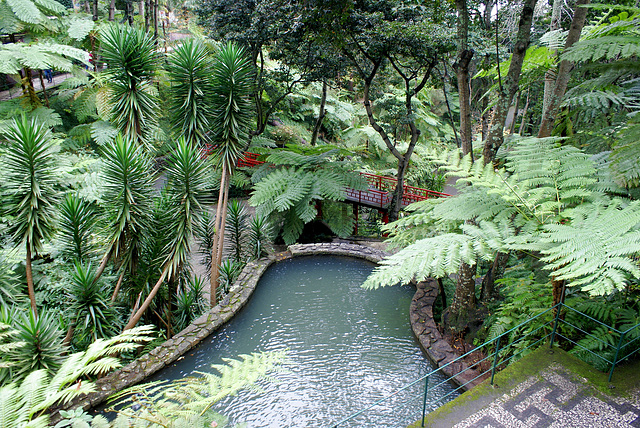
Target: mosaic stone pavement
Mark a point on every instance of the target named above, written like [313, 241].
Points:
[557, 399]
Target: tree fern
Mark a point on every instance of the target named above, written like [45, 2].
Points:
[546, 199]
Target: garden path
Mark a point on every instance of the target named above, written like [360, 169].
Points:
[547, 389]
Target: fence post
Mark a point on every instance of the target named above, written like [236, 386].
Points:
[555, 324]
[424, 400]
[615, 359]
[495, 359]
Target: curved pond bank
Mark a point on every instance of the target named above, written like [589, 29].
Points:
[346, 347]
[303, 407]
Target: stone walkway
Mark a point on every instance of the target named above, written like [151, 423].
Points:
[559, 399]
[547, 390]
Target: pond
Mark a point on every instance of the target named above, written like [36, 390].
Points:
[346, 347]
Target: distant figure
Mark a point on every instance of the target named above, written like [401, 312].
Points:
[49, 75]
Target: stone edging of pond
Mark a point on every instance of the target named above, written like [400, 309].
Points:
[435, 345]
[421, 316]
[206, 324]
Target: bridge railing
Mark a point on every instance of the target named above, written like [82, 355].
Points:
[378, 195]
[497, 352]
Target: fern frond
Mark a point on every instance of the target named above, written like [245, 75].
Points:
[438, 257]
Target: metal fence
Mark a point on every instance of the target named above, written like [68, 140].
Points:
[548, 325]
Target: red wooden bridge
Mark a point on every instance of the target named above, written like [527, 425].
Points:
[379, 193]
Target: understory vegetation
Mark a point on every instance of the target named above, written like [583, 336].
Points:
[168, 150]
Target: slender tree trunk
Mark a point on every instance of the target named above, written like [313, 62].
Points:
[87, 7]
[463, 60]
[155, 20]
[496, 271]
[511, 83]
[135, 317]
[117, 289]
[223, 222]
[516, 106]
[147, 14]
[562, 79]
[524, 116]
[103, 264]
[30, 287]
[112, 10]
[215, 272]
[95, 10]
[321, 113]
[44, 90]
[550, 75]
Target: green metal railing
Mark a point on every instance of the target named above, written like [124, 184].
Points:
[405, 411]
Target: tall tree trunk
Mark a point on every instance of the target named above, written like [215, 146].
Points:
[321, 113]
[215, 272]
[511, 83]
[516, 106]
[464, 298]
[463, 60]
[223, 222]
[44, 89]
[103, 264]
[550, 75]
[155, 20]
[30, 287]
[135, 317]
[95, 10]
[496, 271]
[562, 79]
[522, 129]
[112, 10]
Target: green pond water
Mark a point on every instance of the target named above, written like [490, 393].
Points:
[346, 347]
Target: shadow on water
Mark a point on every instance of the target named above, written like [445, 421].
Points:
[346, 347]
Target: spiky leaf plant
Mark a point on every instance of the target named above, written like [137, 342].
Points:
[231, 105]
[189, 302]
[25, 403]
[132, 58]
[77, 219]
[260, 237]
[190, 72]
[128, 186]
[237, 218]
[188, 192]
[545, 198]
[89, 304]
[29, 189]
[43, 347]
[229, 271]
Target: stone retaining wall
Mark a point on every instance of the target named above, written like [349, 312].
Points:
[435, 345]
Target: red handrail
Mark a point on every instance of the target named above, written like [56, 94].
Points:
[380, 186]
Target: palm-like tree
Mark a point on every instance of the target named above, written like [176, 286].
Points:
[188, 191]
[190, 73]
[233, 77]
[131, 57]
[30, 194]
[128, 189]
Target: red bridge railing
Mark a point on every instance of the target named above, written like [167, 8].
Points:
[380, 187]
